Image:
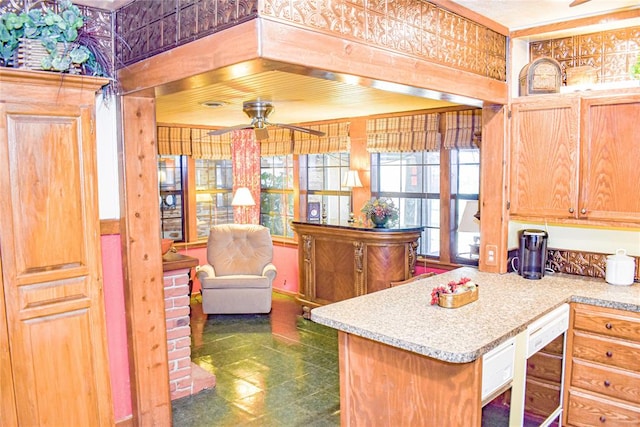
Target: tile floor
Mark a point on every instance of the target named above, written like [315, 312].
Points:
[271, 370]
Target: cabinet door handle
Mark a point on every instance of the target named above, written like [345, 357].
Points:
[583, 211]
[609, 353]
[607, 383]
[571, 210]
[608, 326]
[602, 418]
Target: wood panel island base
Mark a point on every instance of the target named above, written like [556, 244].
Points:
[381, 385]
[338, 262]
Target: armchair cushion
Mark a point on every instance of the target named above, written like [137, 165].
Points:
[239, 249]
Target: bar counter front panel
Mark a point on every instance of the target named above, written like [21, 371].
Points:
[337, 261]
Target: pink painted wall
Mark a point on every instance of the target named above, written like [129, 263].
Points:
[116, 326]
[285, 258]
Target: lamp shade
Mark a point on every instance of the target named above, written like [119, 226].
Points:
[469, 223]
[352, 179]
[243, 197]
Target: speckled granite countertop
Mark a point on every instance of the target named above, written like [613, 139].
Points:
[506, 305]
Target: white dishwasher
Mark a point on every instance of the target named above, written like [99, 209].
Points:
[522, 379]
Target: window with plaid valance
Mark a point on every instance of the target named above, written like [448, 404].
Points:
[190, 141]
[416, 132]
[336, 139]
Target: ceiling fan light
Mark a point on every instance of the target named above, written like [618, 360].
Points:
[261, 133]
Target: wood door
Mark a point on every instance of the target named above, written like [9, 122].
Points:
[610, 151]
[50, 257]
[544, 157]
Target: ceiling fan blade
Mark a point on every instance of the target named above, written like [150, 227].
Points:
[577, 2]
[229, 129]
[299, 129]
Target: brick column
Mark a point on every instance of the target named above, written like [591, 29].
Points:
[176, 303]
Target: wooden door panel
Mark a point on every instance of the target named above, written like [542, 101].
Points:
[610, 175]
[544, 158]
[46, 192]
[55, 369]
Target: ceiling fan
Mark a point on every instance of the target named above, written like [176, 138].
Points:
[258, 111]
[577, 2]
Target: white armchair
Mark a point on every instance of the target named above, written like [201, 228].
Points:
[239, 276]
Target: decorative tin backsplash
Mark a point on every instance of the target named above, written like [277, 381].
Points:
[589, 264]
[410, 27]
[612, 53]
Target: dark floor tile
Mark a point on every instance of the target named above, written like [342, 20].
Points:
[271, 370]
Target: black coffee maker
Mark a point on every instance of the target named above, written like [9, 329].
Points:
[532, 253]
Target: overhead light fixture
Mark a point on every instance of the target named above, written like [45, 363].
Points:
[214, 104]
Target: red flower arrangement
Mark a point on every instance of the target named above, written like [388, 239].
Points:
[463, 285]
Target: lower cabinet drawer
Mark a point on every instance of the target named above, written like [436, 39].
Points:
[601, 379]
[541, 398]
[545, 366]
[585, 410]
[612, 352]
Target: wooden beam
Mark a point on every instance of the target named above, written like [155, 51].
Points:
[142, 264]
[493, 189]
[609, 18]
[298, 46]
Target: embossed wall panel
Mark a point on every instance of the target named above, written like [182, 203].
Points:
[612, 53]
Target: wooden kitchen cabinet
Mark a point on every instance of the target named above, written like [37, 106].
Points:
[574, 157]
[602, 380]
[544, 156]
[53, 343]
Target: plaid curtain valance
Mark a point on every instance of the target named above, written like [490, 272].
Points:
[336, 139]
[462, 129]
[418, 132]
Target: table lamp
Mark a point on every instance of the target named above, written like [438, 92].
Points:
[243, 198]
[351, 180]
[470, 224]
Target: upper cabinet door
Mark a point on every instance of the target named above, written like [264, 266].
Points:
[544, 157]
[610, 168]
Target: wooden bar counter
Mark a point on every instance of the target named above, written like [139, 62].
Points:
[337, 262]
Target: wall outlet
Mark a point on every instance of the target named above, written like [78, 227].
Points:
[492, 255]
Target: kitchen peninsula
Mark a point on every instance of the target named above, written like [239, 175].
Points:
[341, 261]
[406, 362]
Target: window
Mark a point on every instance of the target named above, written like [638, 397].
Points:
[212, 193]
[276, 194]
[214, 184]
[412, 181]
[465, 175]
[325, 173]
[171, 197]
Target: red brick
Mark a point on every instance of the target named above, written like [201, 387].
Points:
[180, 373]
[178, 332]
[182, 363]
[180, 353]
[176, 291]
[182, 342]
[177, 312]
[184, 383]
